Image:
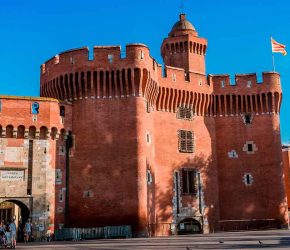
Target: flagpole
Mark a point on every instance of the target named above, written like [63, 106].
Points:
[273, 59]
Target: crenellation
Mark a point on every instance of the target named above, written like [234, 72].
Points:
[107, 54]
[245, 83]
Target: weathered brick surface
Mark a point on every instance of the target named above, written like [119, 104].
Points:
[14, 156]
[112, 128]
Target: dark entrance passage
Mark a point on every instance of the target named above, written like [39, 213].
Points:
[189, 226]
[15, 210]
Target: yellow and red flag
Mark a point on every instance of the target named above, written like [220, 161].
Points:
[278, 47]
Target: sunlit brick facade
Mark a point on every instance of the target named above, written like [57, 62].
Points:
[166, 150]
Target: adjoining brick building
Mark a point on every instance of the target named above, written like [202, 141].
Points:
[164, 150]
[31, 131]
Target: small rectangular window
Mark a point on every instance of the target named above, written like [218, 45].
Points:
[62, 111]
[248, 119]
[249, 84]
[110, 58]
[141, 54]
[185, 141]
[58, 176]
[72, 60]
[250, 147]
[173, 77]
[188, 181]
[187, 76]
[222, 83]
[184, 113]
[248, 179]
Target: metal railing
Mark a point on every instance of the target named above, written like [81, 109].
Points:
[240, 225]
[77, 234]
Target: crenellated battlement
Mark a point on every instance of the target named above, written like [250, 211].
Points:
[245, 83]
[179, 78]
[102, 56]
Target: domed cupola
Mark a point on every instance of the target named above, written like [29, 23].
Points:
[183, 48]
[182, 27]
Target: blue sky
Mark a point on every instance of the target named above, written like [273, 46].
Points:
[238, 34]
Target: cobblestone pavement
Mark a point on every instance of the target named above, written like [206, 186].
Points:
[274, 239]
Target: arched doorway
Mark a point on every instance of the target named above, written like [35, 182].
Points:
[189, 226]
[17, 210]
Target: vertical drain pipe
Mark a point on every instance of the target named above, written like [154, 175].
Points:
[68, 145]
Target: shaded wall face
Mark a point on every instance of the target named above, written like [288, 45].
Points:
[264, 197]
[103, 187]
[167, 160]
[286, 168]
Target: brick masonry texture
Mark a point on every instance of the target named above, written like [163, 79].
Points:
[123, 160]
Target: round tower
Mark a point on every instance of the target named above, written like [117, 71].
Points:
[183, 48]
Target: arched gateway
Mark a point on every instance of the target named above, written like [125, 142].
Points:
[14, 209]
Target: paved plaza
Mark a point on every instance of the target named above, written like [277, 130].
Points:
[275, 239]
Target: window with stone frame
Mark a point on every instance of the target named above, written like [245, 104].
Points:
[248, 179]
[185, 141]
[188, 179]
[247, 118]
[184, 113]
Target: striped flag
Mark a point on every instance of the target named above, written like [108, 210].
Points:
[278, 47]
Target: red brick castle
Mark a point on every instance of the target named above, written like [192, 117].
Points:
[168, 150]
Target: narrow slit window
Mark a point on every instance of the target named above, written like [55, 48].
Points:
[149, 177]
[248, 179]
[250, 147]
[110, 58]
[173, 77]
[148, 138]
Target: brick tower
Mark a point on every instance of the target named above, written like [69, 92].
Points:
[183, 48]
[169, 152]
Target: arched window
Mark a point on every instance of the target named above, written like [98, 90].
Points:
[31, 132]
[269, 104]
[20, 132]
[9, 131]
[53, 133]
[43, 133]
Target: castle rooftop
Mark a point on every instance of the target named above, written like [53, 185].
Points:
[183, 26]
